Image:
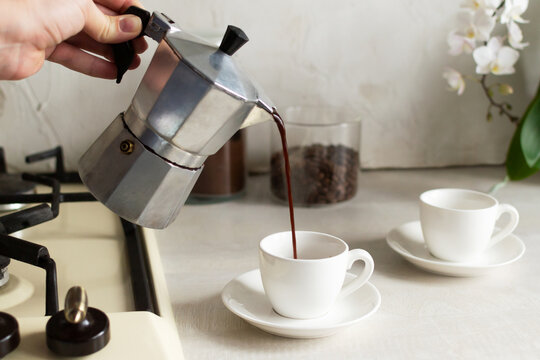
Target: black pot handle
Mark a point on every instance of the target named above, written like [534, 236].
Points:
[124, 53]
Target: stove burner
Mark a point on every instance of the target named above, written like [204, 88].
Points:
[14, 185]
[16, 291]
[4, 275]
[11, 184]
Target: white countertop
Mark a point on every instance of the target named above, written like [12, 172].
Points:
[422, 315]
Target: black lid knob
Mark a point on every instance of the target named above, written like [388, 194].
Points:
[9, 334]
[233, 40]
[78, 330]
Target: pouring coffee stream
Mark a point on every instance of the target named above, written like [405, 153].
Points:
[192, 99]
[283, 134]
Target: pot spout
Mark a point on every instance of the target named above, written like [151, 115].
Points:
[260, 113]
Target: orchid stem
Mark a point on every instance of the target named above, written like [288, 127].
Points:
[499, 106]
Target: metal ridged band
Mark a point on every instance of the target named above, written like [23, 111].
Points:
[159, 145]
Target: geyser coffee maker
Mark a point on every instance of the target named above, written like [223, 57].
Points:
[191, 100]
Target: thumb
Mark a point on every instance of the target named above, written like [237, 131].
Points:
[111, 29]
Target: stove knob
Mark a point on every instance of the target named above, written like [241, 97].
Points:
[9, 334]
[78, 330]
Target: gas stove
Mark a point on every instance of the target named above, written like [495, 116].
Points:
[54, 236]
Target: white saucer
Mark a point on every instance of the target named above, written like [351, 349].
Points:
[407, 240]
[245, 297]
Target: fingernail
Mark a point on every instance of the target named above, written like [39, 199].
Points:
[130, 24]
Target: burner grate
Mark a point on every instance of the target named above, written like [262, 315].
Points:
[59, 172]
[36, 255]
[29, 252]
[48, 209]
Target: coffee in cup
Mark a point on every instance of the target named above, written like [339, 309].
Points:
[458, 225]
[308, 287]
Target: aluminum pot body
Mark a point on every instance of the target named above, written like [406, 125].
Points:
[132, 181]
[192, 99]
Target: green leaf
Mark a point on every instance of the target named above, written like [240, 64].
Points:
[530, 133]
[516, 165]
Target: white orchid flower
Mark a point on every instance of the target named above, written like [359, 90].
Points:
[459, 44]
[477, 26]
[513, 9]
[515, 36]
[474, 5]
[455, 80]
[495, 58]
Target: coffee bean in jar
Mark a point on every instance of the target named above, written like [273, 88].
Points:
[320, 174]
[323, 144]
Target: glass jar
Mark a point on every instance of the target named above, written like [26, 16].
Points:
[224, 174]
[323, 144]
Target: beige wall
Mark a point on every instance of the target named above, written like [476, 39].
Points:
[382, 59]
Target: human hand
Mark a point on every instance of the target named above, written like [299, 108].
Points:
[73, 33]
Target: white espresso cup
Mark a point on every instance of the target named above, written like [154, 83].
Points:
[458, 225]
[308, 287]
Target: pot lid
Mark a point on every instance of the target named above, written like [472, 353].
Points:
[216, 64]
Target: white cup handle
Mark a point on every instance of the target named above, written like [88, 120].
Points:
[504, 232]
[354, 255]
